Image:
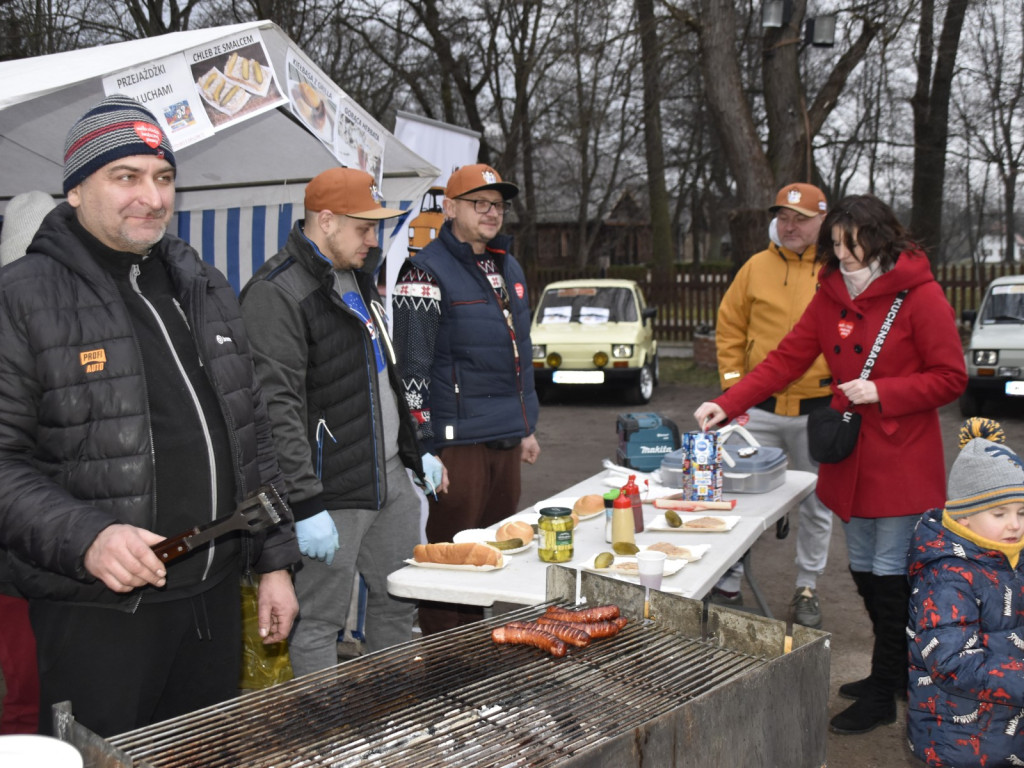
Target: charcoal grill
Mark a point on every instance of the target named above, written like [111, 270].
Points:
[670, 690]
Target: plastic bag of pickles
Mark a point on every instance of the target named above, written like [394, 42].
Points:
[262, 665]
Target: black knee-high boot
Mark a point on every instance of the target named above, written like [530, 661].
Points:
[865, 583]
[876, 705]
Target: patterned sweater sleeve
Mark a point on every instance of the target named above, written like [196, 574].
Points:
[417, 309]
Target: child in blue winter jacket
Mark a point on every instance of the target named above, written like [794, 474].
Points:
[966, 630]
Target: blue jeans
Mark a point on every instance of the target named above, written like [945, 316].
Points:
[879, 545]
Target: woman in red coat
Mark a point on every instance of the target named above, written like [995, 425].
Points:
[897, 469]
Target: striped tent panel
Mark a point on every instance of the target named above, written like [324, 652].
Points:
[238, 240]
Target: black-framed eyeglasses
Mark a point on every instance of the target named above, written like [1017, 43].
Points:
[484, 206]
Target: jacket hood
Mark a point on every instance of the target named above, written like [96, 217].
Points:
[912, 269]
[58, 240]
[932, 542]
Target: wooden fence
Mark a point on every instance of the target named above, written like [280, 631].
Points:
[690, 299]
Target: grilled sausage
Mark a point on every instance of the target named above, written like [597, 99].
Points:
[596, 629]
[535, 637]
[597, 613]
[568, 633]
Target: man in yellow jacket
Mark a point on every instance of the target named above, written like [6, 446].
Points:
[764, 302]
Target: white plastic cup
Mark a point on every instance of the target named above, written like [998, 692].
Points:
[651, 567]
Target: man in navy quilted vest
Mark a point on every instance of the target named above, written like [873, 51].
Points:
[130, 412]
[462, 319]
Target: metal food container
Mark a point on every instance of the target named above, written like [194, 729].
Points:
[677, 689]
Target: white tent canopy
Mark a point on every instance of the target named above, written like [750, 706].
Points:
[259, 162]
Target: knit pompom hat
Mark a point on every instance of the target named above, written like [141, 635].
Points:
[116, 127]
[22, 217]
[985, 475]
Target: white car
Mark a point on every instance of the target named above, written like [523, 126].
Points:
[995, 355]
[597, 332]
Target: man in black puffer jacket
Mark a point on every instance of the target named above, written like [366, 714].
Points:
[342, 427]
[129, 412]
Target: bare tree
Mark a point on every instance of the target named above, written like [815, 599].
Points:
[661, 228]
[593, 124]
[757, 168]
[990, 102]
[936, 66]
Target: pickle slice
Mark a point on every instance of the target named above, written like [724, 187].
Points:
[673, 518]
[625, 548]
[507, 544]
[604, 560]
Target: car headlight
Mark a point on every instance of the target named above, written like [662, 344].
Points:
[986, 356]
[622, 350]
[601, 359]
[539, 351]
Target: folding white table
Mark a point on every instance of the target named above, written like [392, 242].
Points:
[523, 581]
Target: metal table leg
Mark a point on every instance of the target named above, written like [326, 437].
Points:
[748, 574]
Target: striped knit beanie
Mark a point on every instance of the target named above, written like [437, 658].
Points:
[985, 475]
[116, 127]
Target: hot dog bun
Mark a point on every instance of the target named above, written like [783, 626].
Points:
[516, 529]
[466, 553]
[588, 505]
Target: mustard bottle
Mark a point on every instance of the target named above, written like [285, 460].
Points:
[622, 521]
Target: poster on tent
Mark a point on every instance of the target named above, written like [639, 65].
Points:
[165, 88]
[312, 96]
[234, 78]
[360, 141]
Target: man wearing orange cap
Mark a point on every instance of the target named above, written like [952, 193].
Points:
[342, 428]
[767, 297]
[462, 315]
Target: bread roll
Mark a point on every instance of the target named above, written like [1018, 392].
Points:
[588, 505]
[515, 529]
[466, 553]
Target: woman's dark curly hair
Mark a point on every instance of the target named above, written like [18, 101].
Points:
[875, 226]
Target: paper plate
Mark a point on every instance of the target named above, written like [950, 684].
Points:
[697, 551]
[671, 567]
[484, 535]
[446, 567]
[30, 751]
[661, 524]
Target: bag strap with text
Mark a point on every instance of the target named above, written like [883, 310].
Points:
[879, 340]
[882, 333]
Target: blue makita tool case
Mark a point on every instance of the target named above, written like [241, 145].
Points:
[644, 439]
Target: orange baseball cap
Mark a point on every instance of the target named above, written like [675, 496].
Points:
[470, 178]
[806, 199]
[347, 191]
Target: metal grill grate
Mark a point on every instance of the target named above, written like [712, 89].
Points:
[449, 699]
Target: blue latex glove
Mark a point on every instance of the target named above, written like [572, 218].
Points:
[318, 538]
[432, 472]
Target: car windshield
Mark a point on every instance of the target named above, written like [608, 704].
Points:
[1005, 304]
[588, 305]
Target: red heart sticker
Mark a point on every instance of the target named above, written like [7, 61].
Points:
[743, 419]
[845, 328]
[520, 290]
[150, 134]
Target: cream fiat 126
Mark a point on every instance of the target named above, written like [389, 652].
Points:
[595, 332]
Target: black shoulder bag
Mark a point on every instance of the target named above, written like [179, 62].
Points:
[831, 435]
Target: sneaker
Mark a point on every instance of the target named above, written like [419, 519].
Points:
[722, 597]
[806, 608]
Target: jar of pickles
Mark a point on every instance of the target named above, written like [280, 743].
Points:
[555, 542]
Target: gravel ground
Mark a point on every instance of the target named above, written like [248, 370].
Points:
[577, 432]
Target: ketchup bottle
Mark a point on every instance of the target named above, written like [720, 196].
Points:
[632, 492]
